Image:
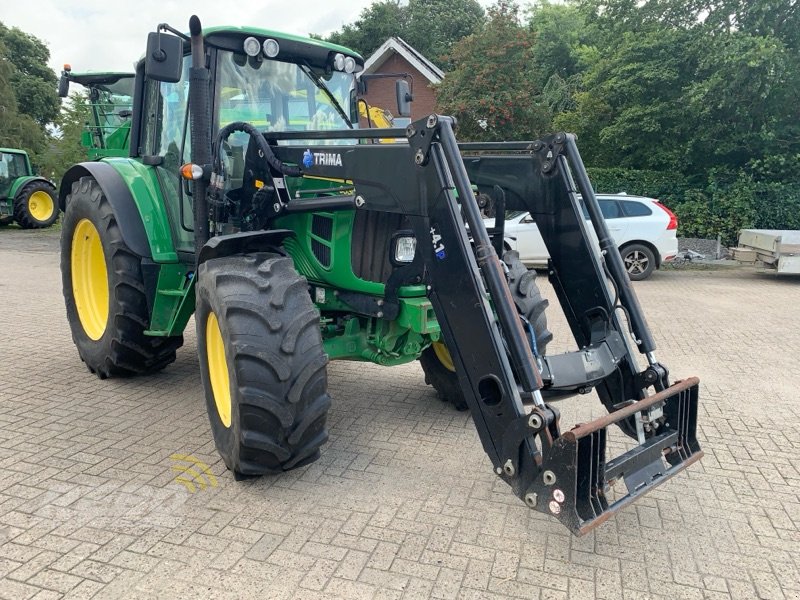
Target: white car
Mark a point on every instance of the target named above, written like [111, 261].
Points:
[643, 228]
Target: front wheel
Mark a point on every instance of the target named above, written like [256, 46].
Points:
[262, 363]
[437, 364]
[35, 205]
[104, 290]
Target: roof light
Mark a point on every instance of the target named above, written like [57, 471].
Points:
[271, 48]
[349, 64]
[252, 47]
[67, 67]
[673, 219]
[338, 62]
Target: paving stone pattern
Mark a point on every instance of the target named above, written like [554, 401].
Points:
[403, 503]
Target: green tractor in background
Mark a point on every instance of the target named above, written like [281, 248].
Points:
[111, 102]
[25, 197]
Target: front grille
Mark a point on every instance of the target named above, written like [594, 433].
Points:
[372, 234]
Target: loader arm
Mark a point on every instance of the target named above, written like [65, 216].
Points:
[565, 474]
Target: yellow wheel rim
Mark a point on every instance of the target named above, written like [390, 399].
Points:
[89, 279]
[218, 369]
[40, 206]
[443, 354]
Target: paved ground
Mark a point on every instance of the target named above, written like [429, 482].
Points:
[403, 503]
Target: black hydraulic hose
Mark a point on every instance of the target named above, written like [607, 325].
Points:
[613, 258]
[263, 146]
[200, 107]
[520, 349]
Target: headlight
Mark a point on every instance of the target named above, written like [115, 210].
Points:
[349, 64]
[252, 47]
[404, 248]
[271, 48]
[338, 62]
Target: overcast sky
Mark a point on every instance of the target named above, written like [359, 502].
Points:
[103, 35]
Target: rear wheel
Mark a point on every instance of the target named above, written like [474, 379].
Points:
[262, 363]
[104, 290]
[35, 205]
[639, 260]
[436, 361]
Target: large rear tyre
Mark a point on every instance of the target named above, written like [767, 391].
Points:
[262, 363]
[35, 205]
[104, 290]
[436, 361]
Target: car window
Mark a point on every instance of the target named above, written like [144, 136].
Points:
[610, 209]
[636, 209]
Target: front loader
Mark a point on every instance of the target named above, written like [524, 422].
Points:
[252, 200]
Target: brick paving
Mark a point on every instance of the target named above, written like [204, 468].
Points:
[403, 503]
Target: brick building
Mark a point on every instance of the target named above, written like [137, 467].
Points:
[395, 56]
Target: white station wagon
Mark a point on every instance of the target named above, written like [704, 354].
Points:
[643, 228]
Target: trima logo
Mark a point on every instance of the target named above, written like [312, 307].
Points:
[192, 473]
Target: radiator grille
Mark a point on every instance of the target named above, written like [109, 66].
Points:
[372, 234]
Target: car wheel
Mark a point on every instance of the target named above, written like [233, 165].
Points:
[639, 260]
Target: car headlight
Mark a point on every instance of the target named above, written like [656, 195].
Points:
[404, 248]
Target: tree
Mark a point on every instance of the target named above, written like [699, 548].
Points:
[66, 149]
[435, 25]
[33, 82]
[493, 89]
[430, 26]
[17, 130]
[378, 22]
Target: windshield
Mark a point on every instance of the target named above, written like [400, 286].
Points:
[280, 96]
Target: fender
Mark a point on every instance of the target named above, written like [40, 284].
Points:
[119, 178]
[21, 182]
[242, 243]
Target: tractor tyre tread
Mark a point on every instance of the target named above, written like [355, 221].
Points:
[530, 304]
[275, 360]
[22, 215]
[123, 350]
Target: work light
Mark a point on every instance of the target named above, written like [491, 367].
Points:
[405, 247]
[252, 47]
[271, 48]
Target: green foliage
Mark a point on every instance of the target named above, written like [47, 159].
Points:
[430, 26]
[66, 150]
[17, 130]
[492, 91]
[32, 81]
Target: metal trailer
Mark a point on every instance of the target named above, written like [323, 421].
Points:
[777, 249]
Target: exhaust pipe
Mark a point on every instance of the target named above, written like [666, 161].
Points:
[200, 113]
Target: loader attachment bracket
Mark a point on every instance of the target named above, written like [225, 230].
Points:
[579, 485]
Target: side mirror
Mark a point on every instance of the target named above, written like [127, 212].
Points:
[164, 57]
[63, 86]
[404, 98]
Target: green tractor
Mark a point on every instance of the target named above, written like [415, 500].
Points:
[251, 200]
[25, 197]
[110, 101]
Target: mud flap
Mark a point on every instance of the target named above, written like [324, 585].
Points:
[575, 485]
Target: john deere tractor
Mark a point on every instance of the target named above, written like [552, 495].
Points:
[25, 197]
[251, 200]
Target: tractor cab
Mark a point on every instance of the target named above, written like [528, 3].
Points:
[111, 103]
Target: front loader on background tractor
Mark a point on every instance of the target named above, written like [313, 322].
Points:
[251, 199]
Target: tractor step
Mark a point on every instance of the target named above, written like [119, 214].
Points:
[577, 481]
